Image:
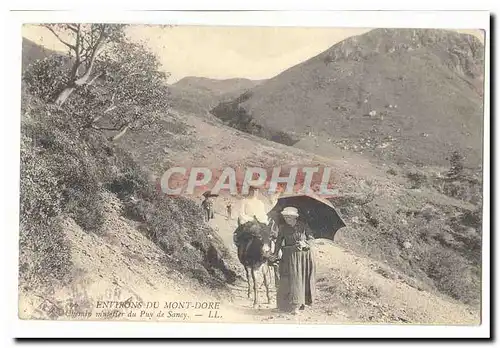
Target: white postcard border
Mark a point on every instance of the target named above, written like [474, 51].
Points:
[366, 19]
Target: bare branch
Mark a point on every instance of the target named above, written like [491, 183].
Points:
[95, 51]
[79, 36]
[111, 108]
[74, 29]
[76, 65]
[121, 133]
[93, 126]
[87, 42]
[91, 82]
[73, 47]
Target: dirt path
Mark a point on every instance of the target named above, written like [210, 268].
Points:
[123, 264]
[351, 289]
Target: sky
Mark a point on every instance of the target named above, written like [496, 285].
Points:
[225, 52]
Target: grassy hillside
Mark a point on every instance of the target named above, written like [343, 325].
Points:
[198, 94]
[423, 222]
[72, 175]
[401, 95]
[417, 220]
[31, 52]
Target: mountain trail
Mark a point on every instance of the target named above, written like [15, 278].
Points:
[122, 264]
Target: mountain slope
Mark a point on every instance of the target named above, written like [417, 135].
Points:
[419, 250]
[412, 240]
[31, 52]
[398, 94]
[199, 94]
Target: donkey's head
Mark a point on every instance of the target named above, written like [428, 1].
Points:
[254, 242]
[265, 239]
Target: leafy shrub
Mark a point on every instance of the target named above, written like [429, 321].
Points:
[456, 165]
[45, 78]
[40, 196]
[417, 180]
[67, 163]
[452, 275]
[58, 173]
[127, 183]
[44, 256]
[234, 115]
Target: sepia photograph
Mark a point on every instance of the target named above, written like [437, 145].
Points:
[301, 175]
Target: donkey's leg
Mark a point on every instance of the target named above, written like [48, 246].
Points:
[267, 275]
[255, 288]
[276, 276]
[248, 281]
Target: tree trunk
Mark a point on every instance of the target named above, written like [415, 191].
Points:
[78, 81]
[63, 96]
[121, 134]
[86, 75]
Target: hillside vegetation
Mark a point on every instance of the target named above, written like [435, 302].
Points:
[72, 171]
[197, 95]
[424, 222]
[411, 251]
[399, 95]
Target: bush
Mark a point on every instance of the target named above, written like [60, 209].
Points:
[44, 256]
[417, 180]
[58, 173]
[40, 196]
[236, 116]
[45, 78]
[456, 165]
[452, 275]
[128, 183]
[59, 176]
[176, 225]
[67, 164]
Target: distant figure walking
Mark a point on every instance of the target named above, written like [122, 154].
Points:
[229, 209]
[208, 208]
[297, 281]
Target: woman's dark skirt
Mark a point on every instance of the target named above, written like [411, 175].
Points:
[297, 285]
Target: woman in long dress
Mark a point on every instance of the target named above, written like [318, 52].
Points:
[297, 284]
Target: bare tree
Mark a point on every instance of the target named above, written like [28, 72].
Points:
[85, 42]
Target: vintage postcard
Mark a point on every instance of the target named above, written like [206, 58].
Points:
[252, 174]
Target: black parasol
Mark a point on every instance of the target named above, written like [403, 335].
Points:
[317, 212]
